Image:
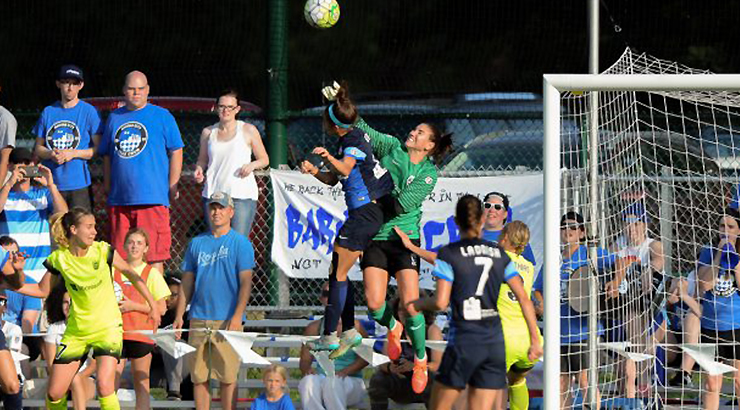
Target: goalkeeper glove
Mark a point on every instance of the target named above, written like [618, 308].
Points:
[330, 91]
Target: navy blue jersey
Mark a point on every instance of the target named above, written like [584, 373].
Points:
[476, 268]
[368, 180]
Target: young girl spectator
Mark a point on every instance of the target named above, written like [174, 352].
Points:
[57, 310]
[94, 322]
[134, 310]
[718, 271]
[275, 378]
[225, 161]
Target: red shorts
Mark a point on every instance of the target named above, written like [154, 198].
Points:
[154, 219]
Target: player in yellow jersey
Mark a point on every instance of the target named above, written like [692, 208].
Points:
[514, 239]
[94, 320]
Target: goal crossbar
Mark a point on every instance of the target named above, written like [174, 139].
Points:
[553, 86]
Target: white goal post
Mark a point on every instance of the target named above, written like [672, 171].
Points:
[554, 86]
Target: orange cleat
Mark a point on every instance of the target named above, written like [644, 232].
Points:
[394, 341]
[420, 377]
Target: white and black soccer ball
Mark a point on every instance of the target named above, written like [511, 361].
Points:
[321, 13]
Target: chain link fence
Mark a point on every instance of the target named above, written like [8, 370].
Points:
[505, 138]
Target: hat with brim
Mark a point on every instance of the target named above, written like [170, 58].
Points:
[221, 198]
[70, 72]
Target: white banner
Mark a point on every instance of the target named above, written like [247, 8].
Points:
[309, 214]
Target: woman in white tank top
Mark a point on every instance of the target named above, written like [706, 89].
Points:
[225, 161]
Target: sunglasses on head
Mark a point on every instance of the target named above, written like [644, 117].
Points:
[498, 207]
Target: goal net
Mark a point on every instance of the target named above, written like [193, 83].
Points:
[667, 168]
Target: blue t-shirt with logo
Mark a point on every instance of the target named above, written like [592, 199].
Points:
[138, 143]
[721, 304]
[261, 403]
[492, 236]
[216, 263]
[69, 128]
[574, 325]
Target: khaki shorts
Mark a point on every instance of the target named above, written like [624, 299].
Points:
[224, 362]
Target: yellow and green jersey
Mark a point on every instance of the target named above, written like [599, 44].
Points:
[412, 182]
[512, 318]
[89, 281]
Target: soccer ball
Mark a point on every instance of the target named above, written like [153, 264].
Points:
[321, 13]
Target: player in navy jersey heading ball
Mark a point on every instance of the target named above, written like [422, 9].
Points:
[469, 275]
[364, 182]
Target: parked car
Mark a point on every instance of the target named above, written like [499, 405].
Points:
[723, 144]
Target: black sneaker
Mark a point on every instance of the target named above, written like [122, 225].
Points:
[681, 379]
[174, 396]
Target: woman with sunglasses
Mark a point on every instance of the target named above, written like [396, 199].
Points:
[573, 325]
[497, 213]
[225, 161]
[414, 176]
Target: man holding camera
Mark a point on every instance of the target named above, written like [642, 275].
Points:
[28, 198]
[65, 136]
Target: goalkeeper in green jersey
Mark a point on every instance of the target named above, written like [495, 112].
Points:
[414, 176]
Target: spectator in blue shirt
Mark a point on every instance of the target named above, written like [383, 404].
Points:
[497, 214]
[142, 160]
[66, 135]
[718, 274]
[217, 282]
[275, 378]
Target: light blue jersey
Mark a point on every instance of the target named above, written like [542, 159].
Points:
[25, 218]
[216, 263]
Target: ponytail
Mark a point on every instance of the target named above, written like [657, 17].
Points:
[342, 112]
[442, 143]
[469, 214]
[62, 222]
[58, 232]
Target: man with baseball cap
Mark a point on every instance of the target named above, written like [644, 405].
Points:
[66, 135]
[217, 282]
